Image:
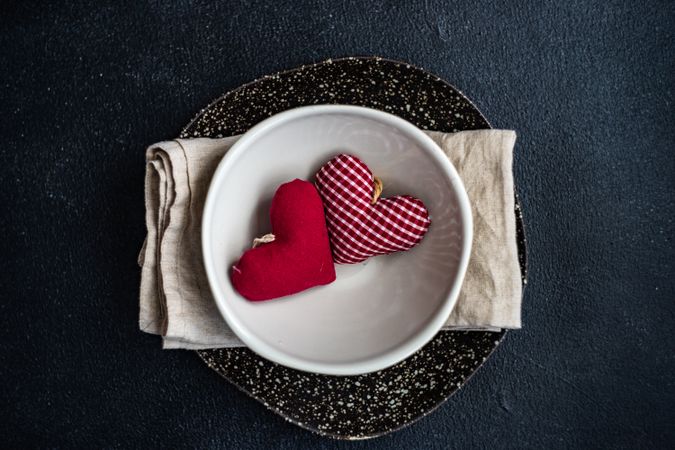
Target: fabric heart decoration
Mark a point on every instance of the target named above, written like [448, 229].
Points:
[360, 224]
[296, 256]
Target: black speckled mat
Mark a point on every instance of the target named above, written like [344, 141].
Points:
[354, 407]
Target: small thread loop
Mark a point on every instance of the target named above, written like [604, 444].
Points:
[266, 239]
[377, 189]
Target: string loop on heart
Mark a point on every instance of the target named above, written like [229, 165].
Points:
[266, 239]
[377, 189]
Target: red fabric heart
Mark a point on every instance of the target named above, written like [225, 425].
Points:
[299, 257]
[359, 229]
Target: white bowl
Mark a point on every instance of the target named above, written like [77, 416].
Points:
[376, 313]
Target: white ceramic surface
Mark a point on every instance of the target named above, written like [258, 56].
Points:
[376, 313]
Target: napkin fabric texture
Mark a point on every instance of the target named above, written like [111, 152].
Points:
[175, 299]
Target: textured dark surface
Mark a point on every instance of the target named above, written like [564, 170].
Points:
[589, 87]
[364, 406]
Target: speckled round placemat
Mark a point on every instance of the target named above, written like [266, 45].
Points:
[364, 406]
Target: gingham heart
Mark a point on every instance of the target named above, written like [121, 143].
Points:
[360, 227]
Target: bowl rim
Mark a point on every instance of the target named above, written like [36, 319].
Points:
[393, 355]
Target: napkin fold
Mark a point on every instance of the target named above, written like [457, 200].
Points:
[175, 298]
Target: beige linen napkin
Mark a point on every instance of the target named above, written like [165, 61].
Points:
[175, 300]
[492, 289]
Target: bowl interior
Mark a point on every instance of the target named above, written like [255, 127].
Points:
[376, 312]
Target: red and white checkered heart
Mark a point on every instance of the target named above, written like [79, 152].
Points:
[359, 228]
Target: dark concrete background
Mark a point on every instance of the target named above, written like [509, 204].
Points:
[587, 85]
